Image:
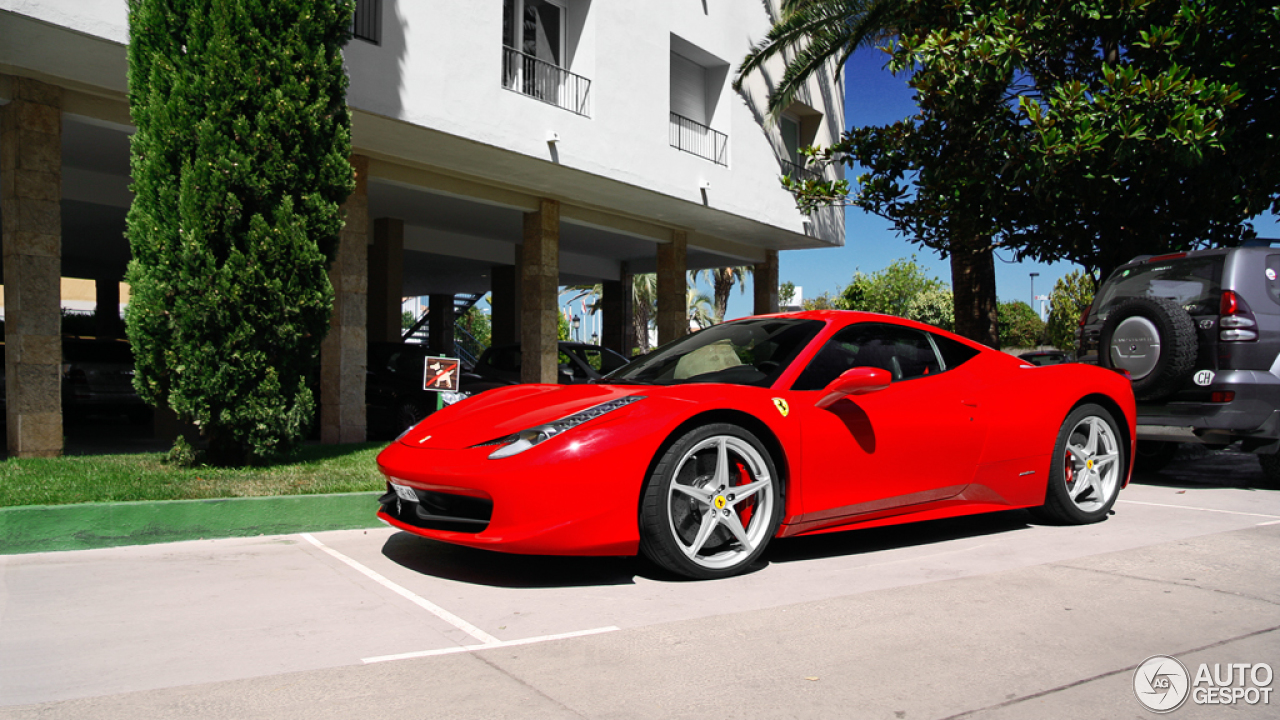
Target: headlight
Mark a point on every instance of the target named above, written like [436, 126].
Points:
[525, 439]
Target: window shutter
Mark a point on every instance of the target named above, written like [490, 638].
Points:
[688, 89]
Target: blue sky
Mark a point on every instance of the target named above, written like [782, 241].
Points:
[873, 96]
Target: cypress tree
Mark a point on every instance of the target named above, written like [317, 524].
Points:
[240, 164]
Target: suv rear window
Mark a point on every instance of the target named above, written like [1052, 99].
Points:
[1193, 283]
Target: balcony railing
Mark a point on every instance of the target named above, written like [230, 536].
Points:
[544, 81]
[698, 139]
[799, 172]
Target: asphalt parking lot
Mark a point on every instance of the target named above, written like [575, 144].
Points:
[987, 617]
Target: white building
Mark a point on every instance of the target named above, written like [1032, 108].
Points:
[602, 135]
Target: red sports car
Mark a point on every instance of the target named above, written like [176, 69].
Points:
[699, 453]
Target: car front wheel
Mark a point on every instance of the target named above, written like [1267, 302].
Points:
[1087, 468]
[711, 505]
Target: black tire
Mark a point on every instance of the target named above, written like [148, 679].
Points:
[1152, 338]
[1270, 471]
[408, 414]
[1154, 455]
[689, 506]
[1087, 468]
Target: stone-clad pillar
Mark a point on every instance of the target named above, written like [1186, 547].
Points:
[30, 202]
[440, 321]
[766, 284]
[504, 284]
[540, 286]
[344, 353]
[673, 312]
[386, 279]
[618, 308]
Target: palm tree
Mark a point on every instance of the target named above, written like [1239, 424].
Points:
[722, 281]
[699, 309]
[813, 32]
[644, 297]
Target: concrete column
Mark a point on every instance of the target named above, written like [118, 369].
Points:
[344, 353]
[673, 312]
[107, 312]
[618, 308]
[386, 279]
[540, 285]
[766, 284]
[504, 284]
[440, 321]
[30, 202]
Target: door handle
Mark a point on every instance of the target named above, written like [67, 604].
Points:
[969, 403]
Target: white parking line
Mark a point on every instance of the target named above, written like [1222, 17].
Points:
[471, 648]
[1274, 518]
[421, 602]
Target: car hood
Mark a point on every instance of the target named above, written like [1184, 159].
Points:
[503, 411]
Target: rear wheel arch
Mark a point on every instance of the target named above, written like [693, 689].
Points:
[1117, 415]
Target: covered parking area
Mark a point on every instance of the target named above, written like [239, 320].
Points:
[433, 214]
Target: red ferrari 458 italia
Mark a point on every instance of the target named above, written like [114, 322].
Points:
[701, 452]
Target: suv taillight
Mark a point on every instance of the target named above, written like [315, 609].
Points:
[1235, 322]
[1085, 314]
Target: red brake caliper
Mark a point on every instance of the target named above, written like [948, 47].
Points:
[744, 513]
[1070, 469]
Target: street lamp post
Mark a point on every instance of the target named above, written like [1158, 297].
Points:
[576, 323]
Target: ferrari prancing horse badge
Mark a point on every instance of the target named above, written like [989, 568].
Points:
[782, 406]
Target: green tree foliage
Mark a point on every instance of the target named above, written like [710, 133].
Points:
[239, 168]
[1071, 295]
[889, 291]
[1090, 131]
[479, 324]
[1020, 326]
[934, 306]
[812, 34]
[786, 293]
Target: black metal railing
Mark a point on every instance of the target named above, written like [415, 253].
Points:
[799, 172]
[545, 81]
[698, 139]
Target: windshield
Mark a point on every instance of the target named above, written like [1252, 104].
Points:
[746, 352]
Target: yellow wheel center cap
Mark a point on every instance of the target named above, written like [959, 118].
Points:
[720, 502]
[1088, 464]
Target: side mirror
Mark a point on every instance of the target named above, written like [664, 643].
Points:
[857, 381]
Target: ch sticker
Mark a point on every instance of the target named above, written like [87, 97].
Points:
[782, 406]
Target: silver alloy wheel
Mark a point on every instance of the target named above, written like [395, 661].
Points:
[1092, 463]
[1135, 346]
[719, 518]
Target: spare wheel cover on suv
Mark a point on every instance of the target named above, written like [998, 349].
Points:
[1155, 340]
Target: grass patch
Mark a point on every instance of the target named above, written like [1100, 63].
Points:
[313, 470]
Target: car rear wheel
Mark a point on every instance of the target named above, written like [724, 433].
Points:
[1087, 468]
[711, 504]
[1154, 340]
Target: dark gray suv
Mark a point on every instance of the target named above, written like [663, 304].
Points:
[1199, 335]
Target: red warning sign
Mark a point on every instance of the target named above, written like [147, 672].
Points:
[441, 374]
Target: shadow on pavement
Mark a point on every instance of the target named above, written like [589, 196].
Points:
[870, 540]
[1198, 467]
[484, 567]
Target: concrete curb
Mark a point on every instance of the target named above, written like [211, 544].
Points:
[45, 528]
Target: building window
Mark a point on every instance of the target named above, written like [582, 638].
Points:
[535, 57]
[798, 126]
[366, 23]
[697, 82]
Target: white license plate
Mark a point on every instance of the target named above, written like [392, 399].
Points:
[405, 493]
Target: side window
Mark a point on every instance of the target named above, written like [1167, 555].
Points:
[903, 352]
[954, 354]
